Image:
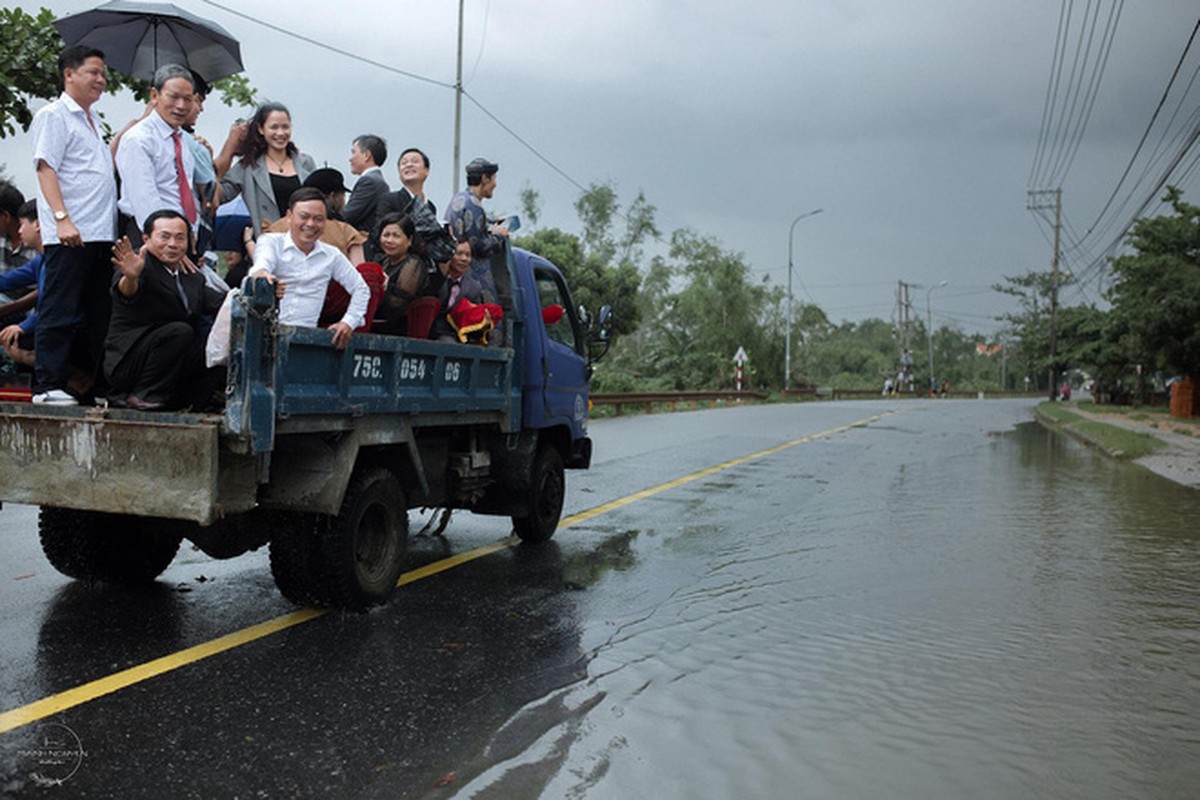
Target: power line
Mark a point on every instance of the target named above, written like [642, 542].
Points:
[1145, 134]
[1064, 19]
[329, 47]
[414, 76]
[1093, 91]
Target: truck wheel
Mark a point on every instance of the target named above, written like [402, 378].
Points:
[363, 547]
[114, 548]
[293, 558]
[547, 488]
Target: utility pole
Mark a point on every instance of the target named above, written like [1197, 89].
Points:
[1036, 203]
[787, 346]
[904, 331]
[458, 100]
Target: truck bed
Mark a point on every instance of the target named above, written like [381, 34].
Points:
[283, 381]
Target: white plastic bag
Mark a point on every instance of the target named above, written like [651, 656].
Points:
[216, 350]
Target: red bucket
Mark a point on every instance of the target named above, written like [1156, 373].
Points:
[421, 313]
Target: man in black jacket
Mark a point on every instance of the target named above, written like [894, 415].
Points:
[432, 238]
[367, 155]
[162, 308]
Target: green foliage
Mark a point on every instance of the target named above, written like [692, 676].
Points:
[1116, 441]
[593, 283]
[531, 204]
[28, 63]
[681, 316]
[236, 91]
[1156, 296]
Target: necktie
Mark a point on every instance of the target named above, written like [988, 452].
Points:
[185, 189]
[182, 294]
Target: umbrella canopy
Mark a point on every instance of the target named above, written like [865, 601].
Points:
[138, 38]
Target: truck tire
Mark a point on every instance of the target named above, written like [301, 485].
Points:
[293, 558]
[362, 549]
[547, 489]
[114, 548]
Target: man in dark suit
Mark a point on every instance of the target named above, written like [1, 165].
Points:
[154, 353]
[410, 199]
[367, 155]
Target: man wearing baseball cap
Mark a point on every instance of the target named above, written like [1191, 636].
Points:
[468, 222]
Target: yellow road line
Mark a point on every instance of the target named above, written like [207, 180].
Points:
[704, 473]
[48, 706]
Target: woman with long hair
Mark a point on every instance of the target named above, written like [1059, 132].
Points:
[269, 166]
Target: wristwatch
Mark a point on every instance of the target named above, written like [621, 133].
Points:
[60, 215]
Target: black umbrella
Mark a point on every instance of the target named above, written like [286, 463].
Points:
[138, 38]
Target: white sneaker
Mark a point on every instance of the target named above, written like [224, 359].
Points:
[55, 397]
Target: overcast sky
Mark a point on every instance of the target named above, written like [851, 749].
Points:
[914, 124]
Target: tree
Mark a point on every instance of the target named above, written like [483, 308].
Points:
[1156, 295]
[698, 328]
[28, 71]
[598, 276]
[1031, 325]
[593, 283]
[596, 208]
[531, 204]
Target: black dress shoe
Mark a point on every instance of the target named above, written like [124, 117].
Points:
[138, 404]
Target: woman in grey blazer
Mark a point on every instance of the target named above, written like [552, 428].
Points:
[269, 166]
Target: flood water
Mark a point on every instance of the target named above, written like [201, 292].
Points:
[950, 602]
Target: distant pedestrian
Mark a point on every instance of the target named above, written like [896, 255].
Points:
[887, 387]
[945, 389]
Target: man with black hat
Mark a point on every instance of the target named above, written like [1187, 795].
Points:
[468, 222]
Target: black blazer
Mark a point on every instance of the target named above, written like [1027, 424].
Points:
[397, 202]
[156, 303]
[360, 210]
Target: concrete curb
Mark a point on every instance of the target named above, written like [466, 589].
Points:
[1051, 423]
[1178, 460]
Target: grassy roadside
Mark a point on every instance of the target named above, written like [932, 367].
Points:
[1116, 442]
[1154, 416]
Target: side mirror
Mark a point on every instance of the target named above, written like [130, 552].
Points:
[606, 321]
[599, 336]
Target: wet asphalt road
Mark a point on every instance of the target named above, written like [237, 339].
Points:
[728, 635]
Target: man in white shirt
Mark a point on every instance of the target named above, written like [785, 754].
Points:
[304, 265]
[153, 158]
[367, 154]
[77, 212]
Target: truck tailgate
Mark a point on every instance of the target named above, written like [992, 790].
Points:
[161, 465]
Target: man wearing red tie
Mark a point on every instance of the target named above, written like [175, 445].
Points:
[154, 161]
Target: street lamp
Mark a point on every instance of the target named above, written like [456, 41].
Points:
[929, 330]
[787, 351]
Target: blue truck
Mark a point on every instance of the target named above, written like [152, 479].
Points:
[320, 453]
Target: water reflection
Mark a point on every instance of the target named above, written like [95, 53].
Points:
[948, 608]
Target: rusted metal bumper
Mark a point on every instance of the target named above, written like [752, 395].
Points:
[158, 465]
